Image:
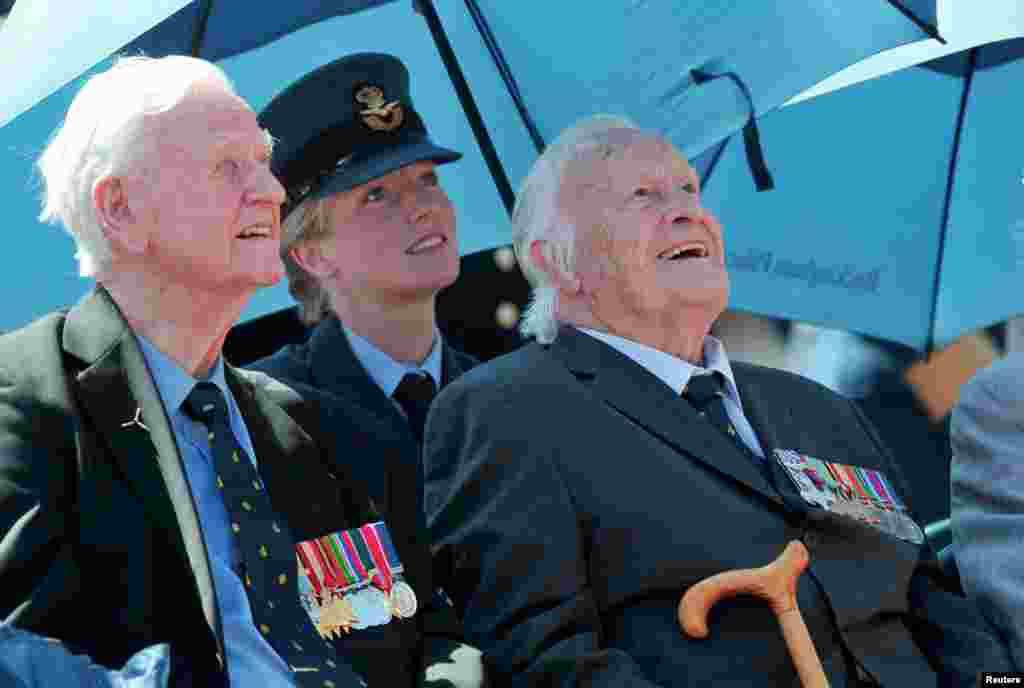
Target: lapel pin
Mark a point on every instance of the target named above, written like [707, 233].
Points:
[136, 421]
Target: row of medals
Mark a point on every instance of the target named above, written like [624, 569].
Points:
[336, 612]
[884, 515]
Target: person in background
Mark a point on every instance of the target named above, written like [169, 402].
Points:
[987, 495]
[368, 241]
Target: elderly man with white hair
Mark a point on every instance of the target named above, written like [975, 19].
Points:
[584, 482]
[150, 493]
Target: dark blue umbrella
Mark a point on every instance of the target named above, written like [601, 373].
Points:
[696, 70]
[899, 210]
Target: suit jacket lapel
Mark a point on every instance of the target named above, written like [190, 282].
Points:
[450, 368]
[753, 408]
[756, 408]
[648, 402]
[335, 369]
[292, 465]
[118, 392]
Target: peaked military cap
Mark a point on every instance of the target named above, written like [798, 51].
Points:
[344, 124]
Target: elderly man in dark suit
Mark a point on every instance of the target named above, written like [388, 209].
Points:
[584, 482]
[368, 241]
[150, 493]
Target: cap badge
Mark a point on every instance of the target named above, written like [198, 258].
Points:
[378, 114]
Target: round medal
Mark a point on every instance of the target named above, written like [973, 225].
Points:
[403, 600]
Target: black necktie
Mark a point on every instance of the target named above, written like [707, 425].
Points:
[414, 394]
[269, 563]
[705, 394]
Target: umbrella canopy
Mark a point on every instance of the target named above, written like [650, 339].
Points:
[898, 212]
[963, 24]
[694, 70]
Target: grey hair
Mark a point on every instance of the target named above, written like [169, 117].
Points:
[537, 216]
[308, 221]
[103, 135]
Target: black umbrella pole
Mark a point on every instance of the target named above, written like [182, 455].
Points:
[205, 8]
[483, 139]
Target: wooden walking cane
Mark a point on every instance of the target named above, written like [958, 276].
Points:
[775, 583]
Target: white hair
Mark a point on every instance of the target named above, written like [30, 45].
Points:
[102, 135]
[537, 216]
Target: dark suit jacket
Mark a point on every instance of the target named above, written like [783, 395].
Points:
[582, 497]
[369, 437]
[100, 544]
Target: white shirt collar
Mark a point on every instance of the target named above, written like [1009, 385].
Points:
[673, 371]
[386, 371]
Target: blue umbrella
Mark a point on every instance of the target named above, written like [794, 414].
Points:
[898, 212]
[695, 70]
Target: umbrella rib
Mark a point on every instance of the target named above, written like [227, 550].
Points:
[714, 162]
[205, 8]
[506, 73]
[972, 59]
[932, 31]
[476, 122]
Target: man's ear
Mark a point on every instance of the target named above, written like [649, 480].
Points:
[313, 257]
[118, 219]
[540, 252]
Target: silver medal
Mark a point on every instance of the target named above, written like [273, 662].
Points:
[403, 600]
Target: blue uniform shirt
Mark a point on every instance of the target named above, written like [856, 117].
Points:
[386, 371]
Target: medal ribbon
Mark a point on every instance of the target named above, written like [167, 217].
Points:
[309, 568]
[877, 491]
[845, 491]
[351, 567]
[389, 547]
[852, 475]
[813, 476]
[359, 562]
[893, 495]
[824, 474]
[315, 547]
[383, 577]
[343, 569]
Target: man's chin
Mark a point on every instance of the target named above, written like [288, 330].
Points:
[269, 279]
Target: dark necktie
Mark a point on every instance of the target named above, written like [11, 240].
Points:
[269, 563]
[705, 393]
[414, 394]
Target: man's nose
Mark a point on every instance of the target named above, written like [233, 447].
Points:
[683, 206]
[264, 186]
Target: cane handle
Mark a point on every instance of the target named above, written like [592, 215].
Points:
[776, 583]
